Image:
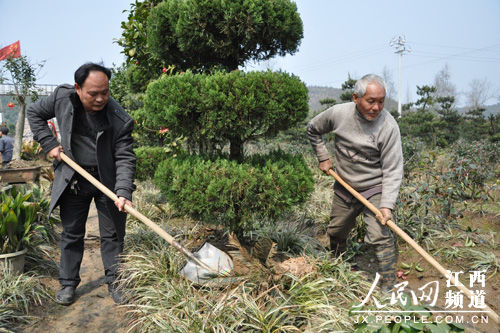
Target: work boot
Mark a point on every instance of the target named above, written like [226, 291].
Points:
[387, 259]
[337, 246]
[66, 295]
[387, 282]
[116, 294]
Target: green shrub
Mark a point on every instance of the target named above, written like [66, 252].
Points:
[495, 138]
[472, 165]
[211, 111]
[412, 154]
[221, 191]
[205, 34]
[148, 159]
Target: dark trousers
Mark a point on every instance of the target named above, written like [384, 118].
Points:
[74, 209]
[343, 219]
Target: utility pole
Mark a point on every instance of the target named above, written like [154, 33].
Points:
[399, 43]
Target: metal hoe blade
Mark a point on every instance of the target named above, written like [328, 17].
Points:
[211, 256]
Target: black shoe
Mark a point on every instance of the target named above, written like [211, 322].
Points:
[116, 294]
[66, 295]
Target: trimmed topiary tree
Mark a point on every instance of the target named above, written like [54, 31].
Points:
[202, 34]
[235, 195]
[211, 111]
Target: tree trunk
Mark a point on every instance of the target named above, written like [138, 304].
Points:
[18, 139]
[236, 150]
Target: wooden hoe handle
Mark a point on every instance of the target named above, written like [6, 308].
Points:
[410, 241]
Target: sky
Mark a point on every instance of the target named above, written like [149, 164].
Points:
[341, 38]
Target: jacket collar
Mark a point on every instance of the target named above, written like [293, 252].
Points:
[77, 103]
[78, 106]
[75, 100]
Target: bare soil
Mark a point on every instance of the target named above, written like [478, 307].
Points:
[93, 310]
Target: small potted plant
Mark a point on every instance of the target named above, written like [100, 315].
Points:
[17, 227]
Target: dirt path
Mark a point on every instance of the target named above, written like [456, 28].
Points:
[93, 310]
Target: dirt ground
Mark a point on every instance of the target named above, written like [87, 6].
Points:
[93, 310]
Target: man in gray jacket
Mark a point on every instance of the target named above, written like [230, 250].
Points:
[95, 132]
[368, 156]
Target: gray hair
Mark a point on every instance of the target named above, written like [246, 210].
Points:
[361, 84]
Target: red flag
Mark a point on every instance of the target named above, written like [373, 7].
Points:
[11, 51]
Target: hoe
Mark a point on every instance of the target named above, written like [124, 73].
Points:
[410, 241]
[206, 263]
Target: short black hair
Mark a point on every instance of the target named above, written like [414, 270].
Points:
[4, 130]
[83, 71]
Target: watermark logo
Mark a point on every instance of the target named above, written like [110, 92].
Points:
[456, 306]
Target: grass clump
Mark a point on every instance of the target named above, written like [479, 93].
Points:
[17, 294]
[163, 300]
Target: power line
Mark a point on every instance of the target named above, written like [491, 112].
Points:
[453, 55]
[460, 58]
[313, 65]
[344, 58]
[448, 46]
